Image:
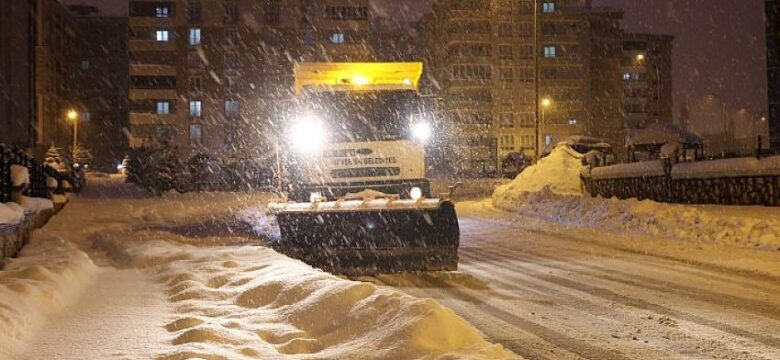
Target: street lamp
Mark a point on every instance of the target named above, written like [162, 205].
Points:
[640, 58]
[73, 116]
[545, 104]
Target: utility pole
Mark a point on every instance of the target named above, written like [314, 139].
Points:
[537, 102]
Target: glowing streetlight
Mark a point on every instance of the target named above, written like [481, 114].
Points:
[73, 116]
[640, 57]
[546, 102]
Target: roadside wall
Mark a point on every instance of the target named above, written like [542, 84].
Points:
[742, 181]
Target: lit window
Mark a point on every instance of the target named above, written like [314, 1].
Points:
[626, 76]
[548, 7]
[636, 76]
[337, 38]
[548, 140]
[195, 36]
[196, 133]
[163, 107]
[196, 108]
[162, 11]
[162, 35]
[549, 51]
[572, 121]
[196, 84]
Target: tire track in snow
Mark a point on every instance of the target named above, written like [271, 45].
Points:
[636, 303]
[737, 303]
[570, 344]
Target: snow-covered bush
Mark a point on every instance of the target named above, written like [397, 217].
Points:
[20, 176]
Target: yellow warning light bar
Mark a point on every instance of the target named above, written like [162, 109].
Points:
[357, 76]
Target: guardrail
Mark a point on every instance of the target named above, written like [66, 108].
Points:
[737, 181]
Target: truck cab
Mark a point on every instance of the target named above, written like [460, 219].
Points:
[354, 127]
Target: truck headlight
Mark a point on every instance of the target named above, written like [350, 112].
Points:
[308, 134]
[415, 193]
[422, 131]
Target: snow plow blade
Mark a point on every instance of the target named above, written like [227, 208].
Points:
[371, 236]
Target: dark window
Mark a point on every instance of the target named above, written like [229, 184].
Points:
[153, 82]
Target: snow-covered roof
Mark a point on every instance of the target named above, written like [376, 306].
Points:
[659, 134]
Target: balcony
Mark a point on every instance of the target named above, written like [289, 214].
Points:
[137, 45]
[152, 21]
[153, 94]
[137, 119]
[152, 70]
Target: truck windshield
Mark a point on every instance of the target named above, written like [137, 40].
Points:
[366, 116]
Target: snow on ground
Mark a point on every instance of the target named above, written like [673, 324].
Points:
[46, 278]
[551, 191]
[11, 213]
[224, 302]
[19, 175]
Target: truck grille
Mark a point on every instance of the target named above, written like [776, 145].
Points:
[365, 172]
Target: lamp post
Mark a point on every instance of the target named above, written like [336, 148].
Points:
[640, 58]
[544, 104]
[73, 116]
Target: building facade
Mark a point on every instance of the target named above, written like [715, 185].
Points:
[647, 79]
[482, 58]
[102, 81]
[773, 76]
[17, 79]
[207, 74]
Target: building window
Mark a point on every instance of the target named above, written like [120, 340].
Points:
[231, 60]
[572, 121]
[196, 108]
[507, 75]
[84, 64]
[548, 140]
[196, 133]
[195, 36]
[231, 85]
[346, 12]
[162, 11]
[472, 72]
[549, 51]
[626, 76]
[505, 52]
[337, 38]
[271, 14]
[162, 35]
[194, 11]
[505, 30]
[548, 7]
[231, 108]
[193, 60]
[231, 37]
[163, 107]
[507, 142]
[308, 38]
[231, 13]
[196, 84]
[507, 120]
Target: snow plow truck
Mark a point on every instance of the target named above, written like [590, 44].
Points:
[354, 163]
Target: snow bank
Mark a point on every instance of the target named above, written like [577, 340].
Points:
[752, 227]
[251, 302]
[19, 175]
[728, 168]
[44, 280]
[11, 213]
[559, 173]
[36, 205]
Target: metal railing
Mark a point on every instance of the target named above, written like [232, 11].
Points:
[38, 174]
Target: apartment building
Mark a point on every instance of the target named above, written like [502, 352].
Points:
[17, 78]
[206, 74]
[773, 74]
[481, 57]
[647, 79]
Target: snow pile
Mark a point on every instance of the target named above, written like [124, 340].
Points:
[11, 213]
[251, 302]
[51, 182]
[559, 173]
[723, 225]
[44, 280]
[19, 175]
[36, 205]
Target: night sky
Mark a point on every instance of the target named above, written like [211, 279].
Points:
[719, 46]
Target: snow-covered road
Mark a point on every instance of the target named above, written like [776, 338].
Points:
[550, 292]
